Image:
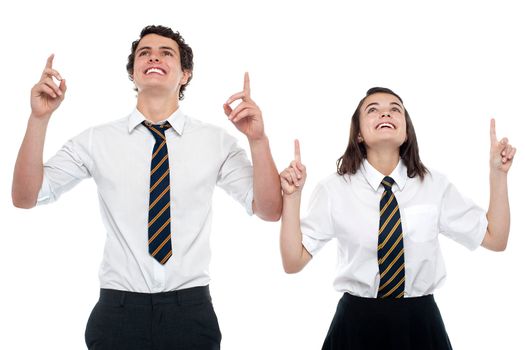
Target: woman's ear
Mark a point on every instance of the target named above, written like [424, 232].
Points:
[360, 138]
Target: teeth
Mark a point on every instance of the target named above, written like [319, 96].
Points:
[385, 124]
[154, 70]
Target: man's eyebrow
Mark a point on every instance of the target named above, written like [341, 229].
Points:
[143, 48]
[149, 48]
[167, 48]
[396, 103]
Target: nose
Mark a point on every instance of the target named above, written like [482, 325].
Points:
[153, 59]
[386, 114]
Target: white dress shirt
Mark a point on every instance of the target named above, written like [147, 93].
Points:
[118, 156]
[347, 208]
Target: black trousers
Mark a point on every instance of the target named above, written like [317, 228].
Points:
[178, 320]
[387, 324]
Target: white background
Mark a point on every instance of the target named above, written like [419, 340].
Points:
[455, 64]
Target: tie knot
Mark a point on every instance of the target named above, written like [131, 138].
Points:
[388, 183]
[157, 130]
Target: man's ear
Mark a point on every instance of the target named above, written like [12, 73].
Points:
[186, 76]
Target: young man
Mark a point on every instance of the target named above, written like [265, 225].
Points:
[155, 172]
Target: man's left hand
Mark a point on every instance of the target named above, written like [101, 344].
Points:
[246, 116]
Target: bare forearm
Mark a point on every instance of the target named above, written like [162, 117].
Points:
[28, 173]
[293, 254]
[498, 214]
[267, 190]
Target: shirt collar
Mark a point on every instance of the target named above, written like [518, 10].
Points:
[177, 120]
[374, 177]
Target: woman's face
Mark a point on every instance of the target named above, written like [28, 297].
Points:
[382, 121]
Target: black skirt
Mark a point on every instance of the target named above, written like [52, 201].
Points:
[397, 324]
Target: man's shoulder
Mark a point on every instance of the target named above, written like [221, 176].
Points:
[121, 123]
[197, 125]
[209, 131]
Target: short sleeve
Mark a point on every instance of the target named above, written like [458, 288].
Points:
[235, 176]
[461, 219]
[66, 168]
[316, 226]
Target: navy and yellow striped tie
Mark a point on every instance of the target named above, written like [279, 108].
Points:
[159, 241]
[390, 245]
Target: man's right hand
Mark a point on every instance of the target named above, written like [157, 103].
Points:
[46, 96]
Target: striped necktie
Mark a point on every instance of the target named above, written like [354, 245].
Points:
[390, 245]
[159, 241]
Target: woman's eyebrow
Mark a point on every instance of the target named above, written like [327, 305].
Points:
[371, 104]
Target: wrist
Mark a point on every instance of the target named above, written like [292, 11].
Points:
[259, 142]
[498, 175]
[293, 196]
[40, 118]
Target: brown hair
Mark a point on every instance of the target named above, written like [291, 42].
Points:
[185, 52]
[356, 152]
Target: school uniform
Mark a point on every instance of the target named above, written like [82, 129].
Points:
[346, 208]
[153, 297]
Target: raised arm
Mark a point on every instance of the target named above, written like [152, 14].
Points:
[247, 118]
[501, 158]
[293, 255]
[46, 96]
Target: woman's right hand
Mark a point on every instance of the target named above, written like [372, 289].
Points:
[293, 178]
[46, 96]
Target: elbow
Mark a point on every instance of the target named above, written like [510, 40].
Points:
[274, 216]
[23, 202]
[291, 268]
[270, 213]
[495, 240]
[268, 210]
[290, 271]
[501, 247]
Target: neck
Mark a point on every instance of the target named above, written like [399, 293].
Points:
[157, 107]
[385, 161]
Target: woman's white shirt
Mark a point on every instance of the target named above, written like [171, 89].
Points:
[346, 208]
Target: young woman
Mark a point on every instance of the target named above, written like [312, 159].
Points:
[386, 209]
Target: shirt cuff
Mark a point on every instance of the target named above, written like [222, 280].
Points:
[45, 195]
[483, 228]
[311, 245]
[248, 202]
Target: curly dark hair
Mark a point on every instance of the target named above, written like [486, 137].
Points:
[356, 152]
[185, 51]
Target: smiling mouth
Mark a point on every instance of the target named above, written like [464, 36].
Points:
[385, 125]
[155, 70]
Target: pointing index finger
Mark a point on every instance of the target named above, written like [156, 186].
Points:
[492, 131]
[49, 62]
[246, 85]
[297, 153]
[49, 65]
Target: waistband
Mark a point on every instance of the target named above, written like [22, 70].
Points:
[391, 303]
[181, 297]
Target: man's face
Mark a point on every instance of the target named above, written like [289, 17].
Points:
[382, 121]
[157, 65]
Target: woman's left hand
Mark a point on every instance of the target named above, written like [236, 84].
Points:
[501, 152]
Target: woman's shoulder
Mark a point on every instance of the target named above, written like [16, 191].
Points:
[434, 177]
[336, 181]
